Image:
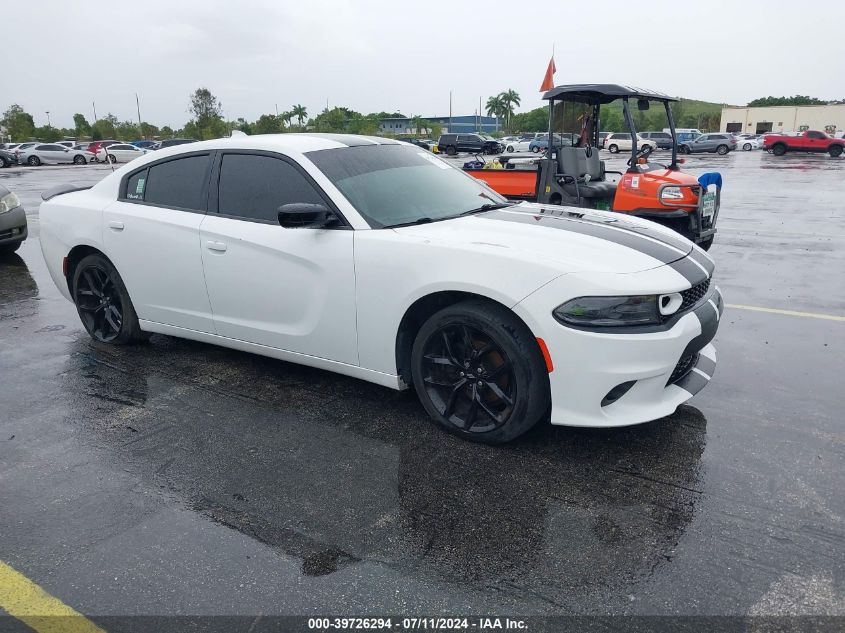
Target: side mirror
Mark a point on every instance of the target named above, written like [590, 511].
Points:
[643, 104]
[303, 215]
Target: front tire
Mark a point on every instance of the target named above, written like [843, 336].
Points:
[684, 149]
[8, 249]
[4, 162]
[747, 147]
[451, 150]
[479, 373]
[79, 159]
[103, 303]
[510, 149]
[34, 161]
[835, 150]
[613, 149]
[112, 159]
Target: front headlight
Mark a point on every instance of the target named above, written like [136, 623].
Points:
[609, 311]
[672, 193]
[9, 202]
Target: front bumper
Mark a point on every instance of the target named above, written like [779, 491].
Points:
[13, 226]
[588, 365]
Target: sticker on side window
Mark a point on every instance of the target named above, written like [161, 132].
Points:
[139, 188]
[433, 160]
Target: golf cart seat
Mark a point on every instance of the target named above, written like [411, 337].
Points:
[575, 163]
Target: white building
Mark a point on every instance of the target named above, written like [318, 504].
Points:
[827, 118]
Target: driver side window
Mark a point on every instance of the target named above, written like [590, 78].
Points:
[253, 187]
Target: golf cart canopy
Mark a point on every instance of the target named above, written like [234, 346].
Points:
[602, 93]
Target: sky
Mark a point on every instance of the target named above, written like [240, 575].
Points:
[371, 56]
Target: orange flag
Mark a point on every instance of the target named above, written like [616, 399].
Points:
[548, 80]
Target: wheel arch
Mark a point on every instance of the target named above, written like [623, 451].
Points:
[419, 312]
[76, 255]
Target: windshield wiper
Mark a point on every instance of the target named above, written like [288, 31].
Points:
[424, 220]
[488, 207]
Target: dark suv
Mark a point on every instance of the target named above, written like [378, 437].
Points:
[663, 140]
[474, 143]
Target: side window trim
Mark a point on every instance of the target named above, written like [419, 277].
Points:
[214, 187]
[146, 168]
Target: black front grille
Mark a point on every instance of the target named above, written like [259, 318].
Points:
[694, 295]
[683, 367]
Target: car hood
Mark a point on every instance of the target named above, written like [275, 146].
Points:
[570, 238]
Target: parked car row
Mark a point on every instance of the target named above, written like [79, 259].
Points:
[34, 153]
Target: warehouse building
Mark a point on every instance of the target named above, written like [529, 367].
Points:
[829, 118]
[466, 124]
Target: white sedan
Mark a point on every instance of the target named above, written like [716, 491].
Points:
[748, 143]
[51, 153]
[119, 153]
[518, 145]
[375, 259]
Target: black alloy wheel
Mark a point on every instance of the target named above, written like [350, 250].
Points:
[34, 161]
[779, 149]
[103, 303]
[79, 159]
[479, 373]
[510, 148]
[469, 378]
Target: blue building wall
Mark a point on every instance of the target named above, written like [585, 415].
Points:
[465, 124]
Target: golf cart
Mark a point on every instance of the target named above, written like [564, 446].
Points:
[575, 176]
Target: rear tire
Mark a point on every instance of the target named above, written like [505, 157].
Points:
[112, 159]
[684, 149]
[103, 303]
[535, 149]
[504, 389]
[8, 249]
[451, 150]
[835, 150]
[613, 149]
[779, 149]
[4, 162]
[722, 150]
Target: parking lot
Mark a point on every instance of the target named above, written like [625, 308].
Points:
[180, 478]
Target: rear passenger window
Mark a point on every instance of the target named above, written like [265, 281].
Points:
[254, 187]
[177, 183]
[135, 185]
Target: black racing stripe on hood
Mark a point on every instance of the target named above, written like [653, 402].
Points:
[690, 270]
[704, 261]
[659, 251]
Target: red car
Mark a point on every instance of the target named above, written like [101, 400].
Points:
[96, 146]
[808, 141]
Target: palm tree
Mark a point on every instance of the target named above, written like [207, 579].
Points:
[287, 117]
[419, 124]
[509, 98]
[495, 107]
[300, 113]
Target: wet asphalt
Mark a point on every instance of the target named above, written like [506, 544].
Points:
[180, 478]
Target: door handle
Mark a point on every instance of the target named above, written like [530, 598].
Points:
[217, 247]
[115, 225]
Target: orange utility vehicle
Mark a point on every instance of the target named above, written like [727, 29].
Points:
[574, 175]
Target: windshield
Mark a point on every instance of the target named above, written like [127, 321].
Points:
[397, 184]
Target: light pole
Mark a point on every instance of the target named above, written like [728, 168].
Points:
[47, 112]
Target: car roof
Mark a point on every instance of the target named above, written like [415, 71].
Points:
[602, 93]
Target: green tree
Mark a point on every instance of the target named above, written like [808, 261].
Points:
[267, 124]
[81, 125]
[208, 115]
[360, 124]
[148, 130]
[127, 131]
[103, 129]
[166, 132]
[781, 101]
[287, 117]
[535, 120]
[19, 123]
[242, 125]
[510, 99]
[300, 113]
[334, 119]
[419, 124]
[496, 107]
[47, 133]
